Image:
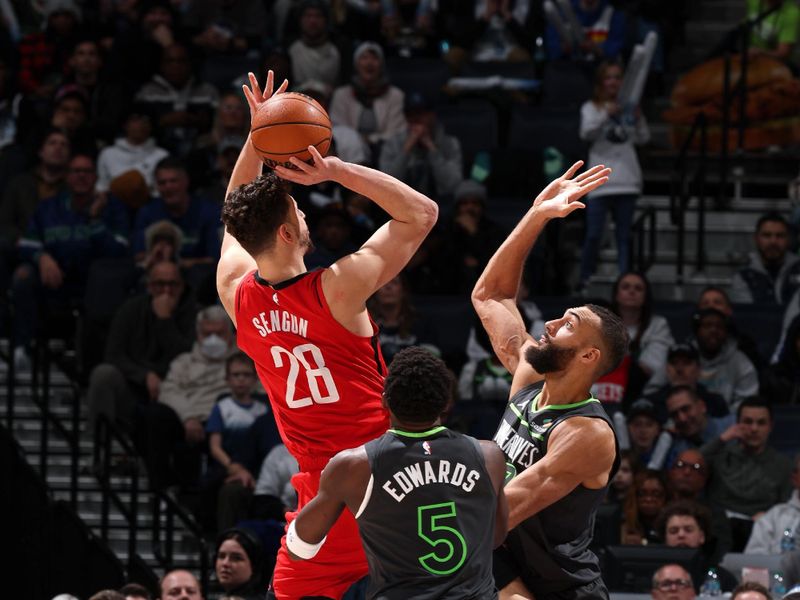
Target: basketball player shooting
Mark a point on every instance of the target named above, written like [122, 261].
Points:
[429, 502]
[314, 345]
[560, 447]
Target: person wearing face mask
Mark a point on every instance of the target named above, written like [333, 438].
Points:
[174, 432]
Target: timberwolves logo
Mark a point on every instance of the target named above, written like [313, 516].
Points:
[426, 447]
[511, 472]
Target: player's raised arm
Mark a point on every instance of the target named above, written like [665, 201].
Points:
[339, 483]
[234, 261]
[354, 278]
[495, 294]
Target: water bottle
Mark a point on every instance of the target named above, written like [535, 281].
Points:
[711, 587]
[787, 541]
[777, 586]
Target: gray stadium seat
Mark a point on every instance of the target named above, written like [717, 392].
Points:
[736, 561]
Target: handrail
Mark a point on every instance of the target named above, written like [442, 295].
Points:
[11, 374]
[640, 262]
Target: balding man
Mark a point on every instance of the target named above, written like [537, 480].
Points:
[180, 585]
[672, 582]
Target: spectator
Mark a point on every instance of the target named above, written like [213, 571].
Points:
[197, 218]
[623, 479]
[747, 475]
[693, 426]
[238, 564]
[613, 137]
[183, 106]
[687, 524]
[174, 426]
[773, 275]
[274, 494]
[781, 381]
[486, 379]
[501, 31]
[332, 238]
[136, 151]
[228, 428]
[134, 591]
[472, 236]
[314, 56]
[28, 189]
[750, 590]
[399, 322]
[683, 369]
[107, 100]
[715, 297]
[370, 104]
[643, 505]
[724, 368]
[107, 595]
[771, 528]
[776, 35]
[603, 33]
[71, 115]
[672, 582]
[64, 235]
[423, 156]
[407, 27]
[225, 29]
[147, 333]
[644, 428]
[179, 584]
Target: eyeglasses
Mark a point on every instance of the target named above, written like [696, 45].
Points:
[667, 584]
[693, 466]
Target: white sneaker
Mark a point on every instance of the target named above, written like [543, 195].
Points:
[22, 362]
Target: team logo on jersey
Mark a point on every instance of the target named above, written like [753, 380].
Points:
[426, 447]
[275, 297]
[511, 472]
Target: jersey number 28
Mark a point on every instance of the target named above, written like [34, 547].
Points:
[299, 356]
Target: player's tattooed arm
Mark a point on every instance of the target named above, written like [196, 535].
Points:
[496, 465]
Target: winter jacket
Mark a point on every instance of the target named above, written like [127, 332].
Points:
[729, 374]
[768, 530]
[193, 384]
[123, 157]
[754, 284]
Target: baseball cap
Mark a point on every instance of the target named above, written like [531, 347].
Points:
[683, 350]
[417, 102]
[643, 407]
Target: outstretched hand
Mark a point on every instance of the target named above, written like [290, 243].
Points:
[321, 169]
[562, 196]
[255, 97]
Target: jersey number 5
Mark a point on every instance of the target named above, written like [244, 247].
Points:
[449, 547]
[314, 374]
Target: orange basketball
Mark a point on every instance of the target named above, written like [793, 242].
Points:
[286, 125]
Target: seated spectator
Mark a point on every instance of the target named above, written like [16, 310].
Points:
[472, 236]
[770, 529]
[724, 369]
[64, 235]
[775, 35]
[174, 432]
[503, 31]
[332, 238]
[773, 275]
[687, 524]
[748, 476]
[400, 324]
[197, 218]
[423, 156]
[70, 114]
[177, 583]
[485, 380]
[147, 333]
[407, 27]
[693, 426]
[715, 297]
[603, 33]
[314, 56]
[238, 562]
[613, 140]
[643, 505]
[370, 104]
[135, 591]
[672, 582]
[683, 369]
[623, 479]
[182, 105]
[750, 590]
[644, 429]
[222, 30]
[781, 381]
[135, 151]
[274, 494]
[649, 334]
[228, 432]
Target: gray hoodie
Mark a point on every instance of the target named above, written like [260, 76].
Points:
[729, 374]
[123, 157]
[768, 530]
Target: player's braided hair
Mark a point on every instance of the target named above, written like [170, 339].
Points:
[253, 212]
[418, 386]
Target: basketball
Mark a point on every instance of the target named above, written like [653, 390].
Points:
[286, 125]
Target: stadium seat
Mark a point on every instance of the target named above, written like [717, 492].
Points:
[784, 435]
[735, 562]
[475, 126]
[533, 129]
[425, 75]
[566, 84]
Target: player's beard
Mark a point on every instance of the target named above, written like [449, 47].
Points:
[549, 358]
[306, 243]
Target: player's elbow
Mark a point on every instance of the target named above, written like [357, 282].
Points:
[427, 216]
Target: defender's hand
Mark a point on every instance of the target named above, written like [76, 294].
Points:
[560, 198]
[255, 97]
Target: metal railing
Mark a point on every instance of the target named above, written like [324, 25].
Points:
[643, 227]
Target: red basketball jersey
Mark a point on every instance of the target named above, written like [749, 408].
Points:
[324, 382]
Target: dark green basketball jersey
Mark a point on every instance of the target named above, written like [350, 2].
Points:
[427, 519]
[551, 548]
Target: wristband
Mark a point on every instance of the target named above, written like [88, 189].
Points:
[300, 548]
